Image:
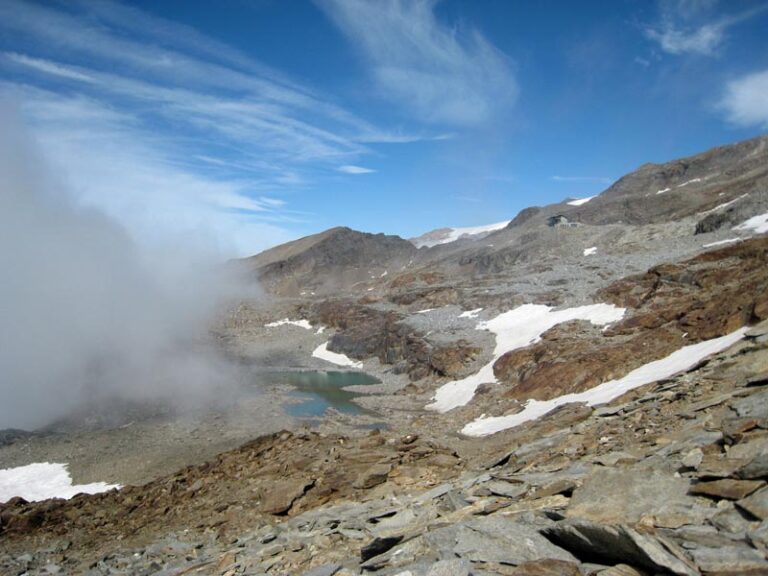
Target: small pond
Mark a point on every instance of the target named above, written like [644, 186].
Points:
[320, 390]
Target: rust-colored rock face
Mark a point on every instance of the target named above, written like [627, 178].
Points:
[669, 306]
[364, 332]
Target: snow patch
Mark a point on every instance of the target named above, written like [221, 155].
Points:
[323, 353]
[383, 274]
[320, 330]
[285, 322]
[590, 251]
[757, 223]
[424, 311]
[723, 205]
[680, 360]
[470, 313]
[44, 480]
[453, 234]
[721, 242]
[516, 329]
[663, 191]
[689, 182]
[580, 201]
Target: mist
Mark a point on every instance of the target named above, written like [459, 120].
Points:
[87, 314]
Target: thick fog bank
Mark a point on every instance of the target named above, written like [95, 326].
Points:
[85, 314]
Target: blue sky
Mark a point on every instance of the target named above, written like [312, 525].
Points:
[248, 123]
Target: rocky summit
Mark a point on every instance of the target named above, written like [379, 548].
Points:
[632, 327]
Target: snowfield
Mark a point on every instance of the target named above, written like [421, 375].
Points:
[44, 480]
[683, 359]
[516, 329]
[323, 353]
[580, 201]
[285, 322]
[458, 233]
[721, 242]
[470, 313]
[758, 224]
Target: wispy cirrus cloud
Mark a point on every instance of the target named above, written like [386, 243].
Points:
[441, 74]
[596, 179]
[694, 26]
[745, 102]
[352, 169]
[167, 129]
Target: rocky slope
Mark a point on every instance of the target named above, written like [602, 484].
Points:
[669, 478]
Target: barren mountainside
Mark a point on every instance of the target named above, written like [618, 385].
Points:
[654, 294]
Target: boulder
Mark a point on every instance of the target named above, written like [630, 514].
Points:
[614, 543]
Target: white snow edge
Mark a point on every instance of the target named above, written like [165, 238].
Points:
[300, 323]
[515, 329]
[580, 201]
[323, 353]
[757, 223]
[680, 360]
[44, 480]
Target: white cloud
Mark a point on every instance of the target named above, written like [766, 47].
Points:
[704, 40]
[351, 169]
[690, 27]
[598, 179]
[746, 100]
[441, 74]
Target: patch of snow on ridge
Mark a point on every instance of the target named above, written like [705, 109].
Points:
[683, 359]
[757, 223]
[470, 313]
[663, 191]
[580, 201]
[690, 182]
[285, 322]
[44, 480]
[590, 251]
[721, 242]
[453, 234]
[516, 329]
[323, 353]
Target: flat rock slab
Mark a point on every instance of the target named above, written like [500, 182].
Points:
[502, 540]
[280, 500]
[549, 567]
[730, 560]
[756, 504]
[624, 495]
[727, 489]
[449, 568]
[756, 468]
[618, 543]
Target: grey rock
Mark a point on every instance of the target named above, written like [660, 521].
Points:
[456, 567]
[324, 570]
[732, 559]
[756, 504]
[753, 406]
[618, 543]
[510, 490]
[756, 468]
[627, 494]
[503, 540]
[693, 459]
[759, 536]
[731, 519]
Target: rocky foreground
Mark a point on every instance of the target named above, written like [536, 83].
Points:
[669, 479]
